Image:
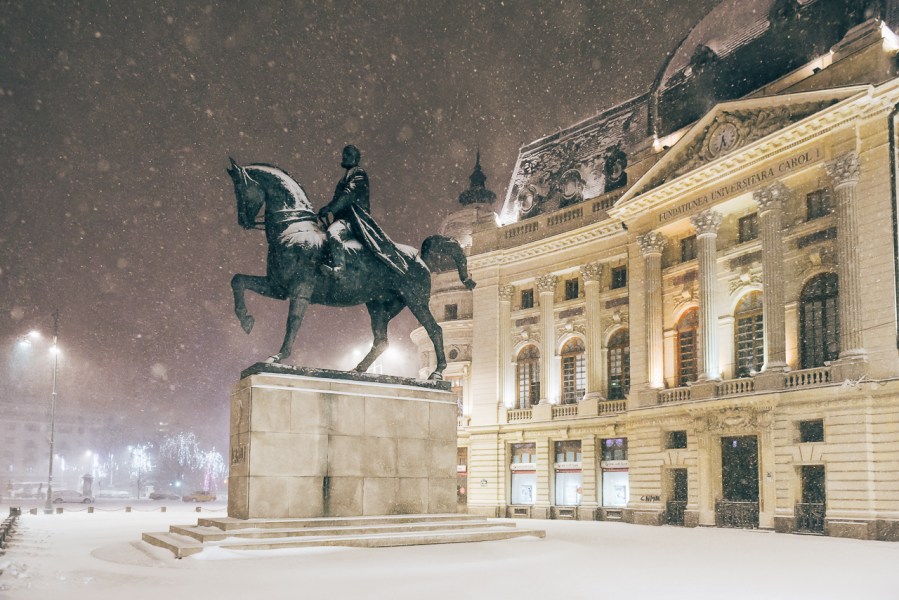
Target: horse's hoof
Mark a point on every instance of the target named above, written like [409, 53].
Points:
[273, 359]
[247, 323]
[435, 376]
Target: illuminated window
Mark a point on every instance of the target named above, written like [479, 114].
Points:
[749, 335]
[819, 321]
[619, 365]
[574, 372]
[528, 376]
[614, 449]
[686, 347]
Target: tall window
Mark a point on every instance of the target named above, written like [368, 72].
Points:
[528, 367]
[571, 289]
[817, 204]
[688, 248]
[686, 347]
[458, 391]
[619, 365]
[749, 227]
[819, 321]
[749, 335]
[574, 371]
[527, 298]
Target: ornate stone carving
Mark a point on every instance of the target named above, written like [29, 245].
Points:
[706, 222]
[745, 279]
[570, 327]
[592, 271]
[652, 243]
[844, 170]
[459, 352]
[506, 292]
[771, 197]
[730, 131]
[615, 320]
[528, 334]
[739, 419]
[546, 284]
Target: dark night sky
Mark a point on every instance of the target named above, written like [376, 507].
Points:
[117, 118]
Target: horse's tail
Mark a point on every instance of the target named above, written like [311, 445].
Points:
[436, 247]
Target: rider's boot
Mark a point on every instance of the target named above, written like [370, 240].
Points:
[337, 267]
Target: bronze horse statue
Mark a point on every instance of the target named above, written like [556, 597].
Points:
[296, 250]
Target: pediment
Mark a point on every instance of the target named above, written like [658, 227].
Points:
[730, 127]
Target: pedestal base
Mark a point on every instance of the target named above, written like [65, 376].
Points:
[311, 443]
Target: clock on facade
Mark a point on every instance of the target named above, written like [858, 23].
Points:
[722, 139]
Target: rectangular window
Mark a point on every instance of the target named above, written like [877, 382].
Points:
[619, 277]
[676, 439]
[524, 482]
[817, 204]
[811, 431]
[750, 342]
[574, 378]
[686, 343]
[614, 449]
[688, 248]
[571, 289]
[527, 298]
[450, 312]
[749, 227]
[568, 451]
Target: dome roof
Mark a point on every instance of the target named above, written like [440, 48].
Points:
[741, 46]
[477, 193]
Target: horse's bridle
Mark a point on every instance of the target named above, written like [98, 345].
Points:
[309, 216]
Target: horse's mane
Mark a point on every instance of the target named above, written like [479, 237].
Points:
[289, 184]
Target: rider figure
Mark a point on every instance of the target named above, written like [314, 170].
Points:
[352, 220]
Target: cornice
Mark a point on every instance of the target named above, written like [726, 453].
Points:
[561, 241]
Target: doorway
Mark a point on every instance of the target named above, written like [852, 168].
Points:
[810, 511]
[677, 503]
[739, 506]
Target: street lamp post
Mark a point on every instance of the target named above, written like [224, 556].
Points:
[48, 507]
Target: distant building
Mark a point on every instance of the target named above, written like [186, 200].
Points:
[686, 309]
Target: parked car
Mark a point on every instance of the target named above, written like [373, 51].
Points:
[199, 496]
[70, 496]
[163, 496]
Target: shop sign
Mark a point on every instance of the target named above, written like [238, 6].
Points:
[523, 466]
[568, 466]
[613, 464]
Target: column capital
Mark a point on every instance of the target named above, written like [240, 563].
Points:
[546, 284]
[844, 169]
[592, 271]
[652, 243]
[506, 292]
[771, 197]
[706, 222]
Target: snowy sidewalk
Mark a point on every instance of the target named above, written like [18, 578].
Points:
[100, 556]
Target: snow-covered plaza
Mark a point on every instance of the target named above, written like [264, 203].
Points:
[96, 556]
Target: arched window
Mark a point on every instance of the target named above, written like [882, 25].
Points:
[819, 321]
[528, 376]
[749, 335]
[619, 365]
[687, 339]
[574, 371]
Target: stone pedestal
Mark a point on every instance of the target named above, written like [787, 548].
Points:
[313, 443]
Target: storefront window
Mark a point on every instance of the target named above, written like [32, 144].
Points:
[569, 480]
[524, 473]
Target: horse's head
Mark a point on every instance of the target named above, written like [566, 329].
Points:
[250, 195]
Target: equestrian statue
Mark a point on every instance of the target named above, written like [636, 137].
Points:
[346, 262]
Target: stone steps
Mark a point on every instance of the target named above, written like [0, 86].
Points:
[362, 532]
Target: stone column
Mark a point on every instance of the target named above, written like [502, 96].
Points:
[592, 272]
[589, 480]
[706, 224]
[546, 287]
[844, 171]
[506, 360]
[652, 245]
[771, 201]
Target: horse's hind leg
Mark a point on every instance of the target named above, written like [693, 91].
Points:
[381, 313]
[254, 283]
[423, 313]
[299, 302]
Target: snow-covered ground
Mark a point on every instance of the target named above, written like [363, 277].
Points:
[99, 556]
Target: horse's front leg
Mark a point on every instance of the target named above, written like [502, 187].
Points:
[299, 302]
[254, 283]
